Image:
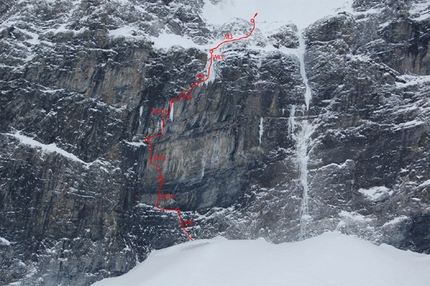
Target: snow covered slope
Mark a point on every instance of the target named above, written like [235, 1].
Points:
[274, 13]
[329, 259]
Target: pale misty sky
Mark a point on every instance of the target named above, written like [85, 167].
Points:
[274, 13]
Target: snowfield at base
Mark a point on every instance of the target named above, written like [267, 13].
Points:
[329, 259]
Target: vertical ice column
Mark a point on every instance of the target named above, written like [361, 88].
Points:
[300, 129]
[140, 115]
[171, 112]
[303, 142]
[261, 130]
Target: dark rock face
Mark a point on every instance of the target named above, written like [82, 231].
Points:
[77, 191]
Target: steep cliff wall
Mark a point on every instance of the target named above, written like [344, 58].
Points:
[299, 132]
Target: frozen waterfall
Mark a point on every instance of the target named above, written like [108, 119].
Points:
[301, 129]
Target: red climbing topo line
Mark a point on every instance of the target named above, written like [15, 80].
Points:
[186, 96]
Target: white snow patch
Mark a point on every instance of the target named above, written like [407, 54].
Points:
[135, 144]
[123, 2]
[62, 28]
[424, 184]
[50, 148]
[125, 31]
[34, 39]
[367, 13]
[329, 259]
[345, 164]
[420, 11]
[51, 90]
[409, 124]
[166, 41]
[413, 80]
[4, 241]
[353, 216]
[395, 220]
[55, 29]
[407, 108]
[375, 193]
[359, 58]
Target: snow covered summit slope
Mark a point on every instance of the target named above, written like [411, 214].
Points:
[274, 13]
[329, 259]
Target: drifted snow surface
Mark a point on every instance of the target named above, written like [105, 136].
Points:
[329, 259]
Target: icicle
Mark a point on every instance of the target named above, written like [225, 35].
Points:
[171, 113]
[261, 129]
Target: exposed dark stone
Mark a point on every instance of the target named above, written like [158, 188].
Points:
[420, 234]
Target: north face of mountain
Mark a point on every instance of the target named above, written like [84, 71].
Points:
[299, 132]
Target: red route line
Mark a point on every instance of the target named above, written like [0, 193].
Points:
[184, 95]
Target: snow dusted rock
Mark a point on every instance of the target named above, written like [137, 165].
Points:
[286, 37]
[290, 137]
[373, 125]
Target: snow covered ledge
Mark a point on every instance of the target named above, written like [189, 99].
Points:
[50, 148]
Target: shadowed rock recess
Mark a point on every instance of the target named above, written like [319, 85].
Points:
[246, 157]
